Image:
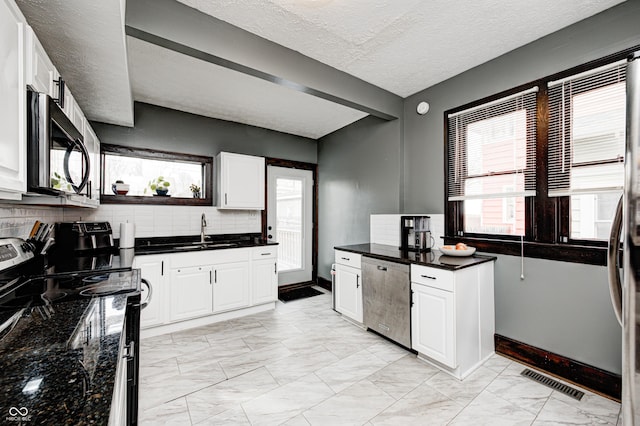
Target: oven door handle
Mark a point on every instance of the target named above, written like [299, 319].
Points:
[87, 165]
[147, 300]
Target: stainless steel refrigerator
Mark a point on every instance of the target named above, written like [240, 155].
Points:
[625, 290]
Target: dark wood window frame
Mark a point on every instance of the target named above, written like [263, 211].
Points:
[546, 218]
[207, 178]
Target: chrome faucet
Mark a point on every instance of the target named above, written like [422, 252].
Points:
[203, 224]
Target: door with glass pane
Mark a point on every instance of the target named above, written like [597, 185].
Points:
[289, 221]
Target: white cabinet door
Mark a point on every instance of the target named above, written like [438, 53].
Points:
[433, 324]
[190, 292]
[264, 281]
[241, 181]
[13, 162]
[40, 70]
[93, 146]
[230, 286]
[152, 269]
[348, 290]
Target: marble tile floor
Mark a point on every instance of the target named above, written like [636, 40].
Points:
[302, 364]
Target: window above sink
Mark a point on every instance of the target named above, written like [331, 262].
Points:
[155, 177]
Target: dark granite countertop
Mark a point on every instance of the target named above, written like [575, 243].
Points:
[59, 360]
[434, 258]
[161, 245]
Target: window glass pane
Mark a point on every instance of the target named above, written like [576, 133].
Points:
[592, 215]
[598, 127]
[289, 223]
[497, 144]
[139, 172]
[504, 216]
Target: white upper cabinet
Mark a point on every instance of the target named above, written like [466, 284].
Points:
[41, 72]
[240, 181]
[13, 161]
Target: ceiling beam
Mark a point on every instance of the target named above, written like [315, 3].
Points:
[177, 27]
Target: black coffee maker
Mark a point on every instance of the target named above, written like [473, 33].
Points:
[415, 233]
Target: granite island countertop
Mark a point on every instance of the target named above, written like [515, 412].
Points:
[59, 361]
[434, 258]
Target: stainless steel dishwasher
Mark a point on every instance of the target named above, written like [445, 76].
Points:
[386, 294]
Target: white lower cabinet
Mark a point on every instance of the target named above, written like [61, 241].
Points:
[264, 275]
[230, 286]
[452, 316]
[152, 268]
[348, 285]
[433, 319]
[191, 291]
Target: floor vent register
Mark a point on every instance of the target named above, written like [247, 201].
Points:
[553, 384]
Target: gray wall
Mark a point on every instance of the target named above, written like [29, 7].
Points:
[169, 130]
[561, 307]
[359, 173]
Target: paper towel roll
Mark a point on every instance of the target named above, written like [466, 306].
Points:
[127, 235]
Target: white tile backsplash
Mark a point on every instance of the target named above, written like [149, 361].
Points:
[385, 228]
[169, 221]
[150, 221]
[17, 221]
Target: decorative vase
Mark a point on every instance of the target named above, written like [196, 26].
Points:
[196, 194]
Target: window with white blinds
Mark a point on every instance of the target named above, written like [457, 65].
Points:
[492, 162]
[587, 132]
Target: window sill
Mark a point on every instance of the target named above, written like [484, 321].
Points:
[163, 201]
[561, 252]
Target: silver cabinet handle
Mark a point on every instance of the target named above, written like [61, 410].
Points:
[345, 258]
[275, 268]
[210, 279]
[265, 254]
[427, 276]
[357, 281]
[215, 276]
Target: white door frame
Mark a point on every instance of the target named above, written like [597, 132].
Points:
[274, 171]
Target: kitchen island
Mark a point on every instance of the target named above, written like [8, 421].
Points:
[438, 305]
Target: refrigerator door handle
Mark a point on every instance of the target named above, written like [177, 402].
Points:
[615, 283]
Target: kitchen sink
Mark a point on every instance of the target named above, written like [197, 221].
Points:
[193, 246]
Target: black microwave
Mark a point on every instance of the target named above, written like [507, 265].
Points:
[57, 159]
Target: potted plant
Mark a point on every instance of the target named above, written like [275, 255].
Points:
[195, 190]
[159, 185]
[60, 182]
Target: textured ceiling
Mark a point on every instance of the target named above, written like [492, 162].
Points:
[173, 80]
[403, 46]
[86, 42]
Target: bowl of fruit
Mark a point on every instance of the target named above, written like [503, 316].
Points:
[460, 249]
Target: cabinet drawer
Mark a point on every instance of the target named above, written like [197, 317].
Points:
[433, 277]
[267, 252]
[348, 259]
